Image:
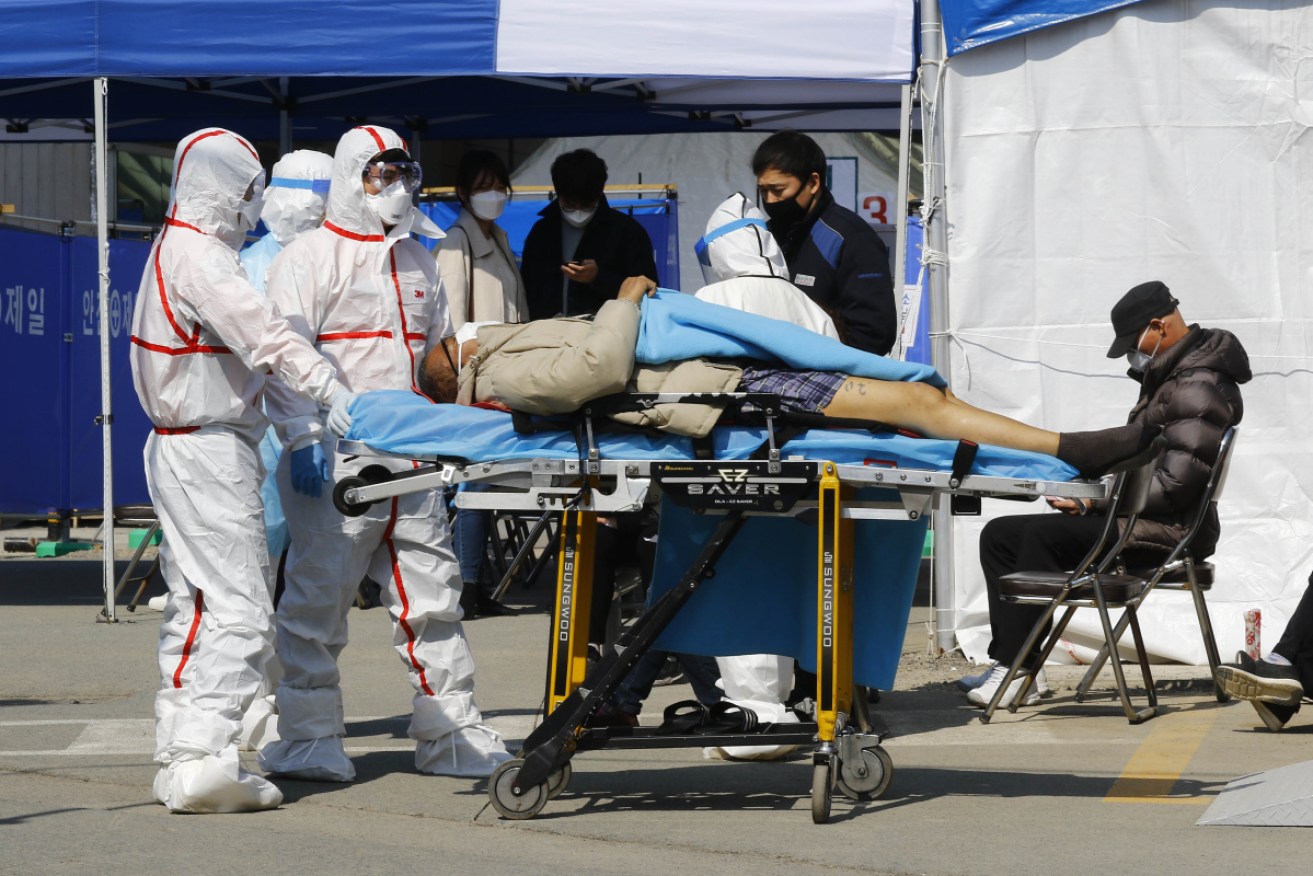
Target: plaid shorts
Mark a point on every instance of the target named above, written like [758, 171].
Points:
[807, 392]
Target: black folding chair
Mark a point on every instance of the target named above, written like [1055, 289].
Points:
[1093, 583]
[1180, 571]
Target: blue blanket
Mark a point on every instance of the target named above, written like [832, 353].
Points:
[677, 327]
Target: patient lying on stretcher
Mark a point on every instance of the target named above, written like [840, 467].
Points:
[646, 341]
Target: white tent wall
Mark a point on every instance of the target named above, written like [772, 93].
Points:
[1165, 141]
[707, 168]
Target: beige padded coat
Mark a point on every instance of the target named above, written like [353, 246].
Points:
[554, 366]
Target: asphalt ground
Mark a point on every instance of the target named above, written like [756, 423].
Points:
[1056, 787]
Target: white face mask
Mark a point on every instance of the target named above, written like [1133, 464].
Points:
[578, 218]
[390, 205]
[1138, 360]
[488, 205]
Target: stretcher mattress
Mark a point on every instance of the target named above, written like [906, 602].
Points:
[406, 424]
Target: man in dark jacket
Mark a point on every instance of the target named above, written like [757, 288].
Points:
[581, 250]
[833, 255]
[1189, 386]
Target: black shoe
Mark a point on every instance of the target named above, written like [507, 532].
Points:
[1263, 682]
[608, 715]
[671, 673]
[1273, 715]
[486, 606]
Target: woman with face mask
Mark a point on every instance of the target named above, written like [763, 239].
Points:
[475, 260]
[482, 285]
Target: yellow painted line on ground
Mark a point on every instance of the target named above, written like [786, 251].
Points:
[1162, 757]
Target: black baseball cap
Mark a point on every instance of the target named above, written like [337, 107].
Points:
[1133, 312]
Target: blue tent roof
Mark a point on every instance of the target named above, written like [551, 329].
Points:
[969, 24]
[441, 68]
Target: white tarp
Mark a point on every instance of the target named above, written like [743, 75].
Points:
[1166, 141]
[844, 39]
[707, 168]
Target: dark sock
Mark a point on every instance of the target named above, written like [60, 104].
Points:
[1105, 450]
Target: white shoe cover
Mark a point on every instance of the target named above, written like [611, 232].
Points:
[259, 724]
[470, 752]
[311, 760]
[157, 603]
[767, 713]
[214, 784]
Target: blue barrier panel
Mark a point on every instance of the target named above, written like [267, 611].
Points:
[50, 356]
[33, 442]
[659, 217]
[919, 351]
[127, 260]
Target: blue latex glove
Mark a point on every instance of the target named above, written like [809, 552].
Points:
[309, 470]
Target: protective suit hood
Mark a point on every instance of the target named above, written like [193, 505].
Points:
[212, 169]
[297, 194]
[346, 197]
[737, 244]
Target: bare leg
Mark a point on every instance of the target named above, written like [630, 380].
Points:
[934, 412]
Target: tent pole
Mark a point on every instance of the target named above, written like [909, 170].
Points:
[936, 243]
[284, 120]
[900, 196]
[101, 92]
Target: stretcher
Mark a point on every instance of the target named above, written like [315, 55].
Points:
[819, 525]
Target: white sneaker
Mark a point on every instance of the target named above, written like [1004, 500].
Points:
[984, 693]
[970, 682]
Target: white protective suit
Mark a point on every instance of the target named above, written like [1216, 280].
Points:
[203, 341]
[745, 269]
[294, 202]
[372, 303]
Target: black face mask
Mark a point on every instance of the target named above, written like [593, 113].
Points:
[785, 212]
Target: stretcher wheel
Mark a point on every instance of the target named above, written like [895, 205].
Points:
[869, 777]
[503, 797]
[558, 781]
[822, 793]
[370, 474]
[350, 509]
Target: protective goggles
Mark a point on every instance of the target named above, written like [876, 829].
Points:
[701, 246]
[385, 174]
[255, 189]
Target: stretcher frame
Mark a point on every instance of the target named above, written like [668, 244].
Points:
[847, 753]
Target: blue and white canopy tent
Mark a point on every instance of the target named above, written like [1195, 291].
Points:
[450, 68]
[1085, 146]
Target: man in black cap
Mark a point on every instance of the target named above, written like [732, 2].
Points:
[1189, 387]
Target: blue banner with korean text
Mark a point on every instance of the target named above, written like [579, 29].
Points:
[50, 359]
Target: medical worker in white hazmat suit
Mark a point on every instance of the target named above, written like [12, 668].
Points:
[294, 202]
[203, 341]
[745, 269]
[369, 297]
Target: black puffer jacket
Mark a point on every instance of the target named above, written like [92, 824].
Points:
[1193, 392]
